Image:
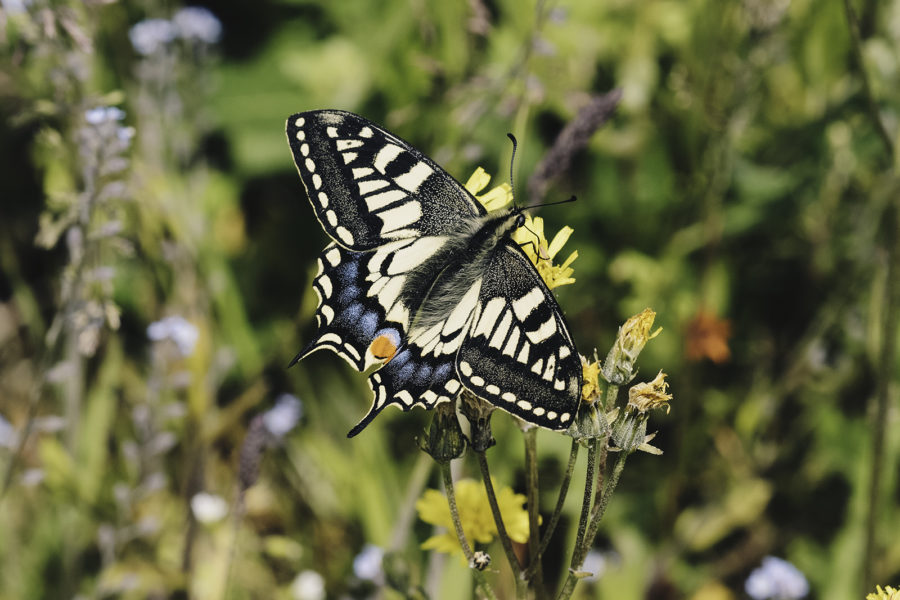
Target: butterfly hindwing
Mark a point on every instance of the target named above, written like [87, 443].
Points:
[348, 321]
[518, 353]
[369, 187]
[364, 297]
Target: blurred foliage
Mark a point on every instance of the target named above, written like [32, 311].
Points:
[746, 189]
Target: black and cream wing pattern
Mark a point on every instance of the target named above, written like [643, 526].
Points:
[424, 285]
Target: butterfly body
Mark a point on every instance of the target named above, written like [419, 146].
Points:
[422, 280]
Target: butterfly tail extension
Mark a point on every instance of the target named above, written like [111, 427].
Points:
[347, 324]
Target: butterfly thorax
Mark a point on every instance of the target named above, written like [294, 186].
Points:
[456, 269]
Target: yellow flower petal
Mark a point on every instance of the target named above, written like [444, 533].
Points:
[478, 181]
[561, 237]
[497, 197]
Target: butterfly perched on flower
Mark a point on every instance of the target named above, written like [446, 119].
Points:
[421, 279]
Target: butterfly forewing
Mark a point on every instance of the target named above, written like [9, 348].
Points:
[369, 187]
[518, 353]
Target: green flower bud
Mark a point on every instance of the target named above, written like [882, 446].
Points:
[634, 334]
[478, 412]
[444, 439]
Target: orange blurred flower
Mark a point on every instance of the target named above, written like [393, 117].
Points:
[707, 337]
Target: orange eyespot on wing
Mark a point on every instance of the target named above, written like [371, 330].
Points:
[383, 348]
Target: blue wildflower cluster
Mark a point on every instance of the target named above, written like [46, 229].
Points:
[192, 24]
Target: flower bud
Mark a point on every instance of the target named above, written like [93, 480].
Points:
[478, 412]
[444, 439]
[590, 423]
[634, 334]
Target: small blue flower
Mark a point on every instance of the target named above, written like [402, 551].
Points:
[103, 114]
[152, 35]
[15, 7]
[9, 438]
[176, 329]
[367, 564]
[281, 418]
[197, 23]
[776, 579]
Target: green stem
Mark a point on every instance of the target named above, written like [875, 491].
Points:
[534, 531]
[480, 580]
[885, 373]
[417, 482]
[586, 500]
[557, 512]
[597, 514]
[612, 394]
[505, 540]
[871, 105]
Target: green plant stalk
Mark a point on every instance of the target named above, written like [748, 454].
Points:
[505, 540]
[534, 531]
[885, 373]
[597, 514]
[871, 105]
[610, 397]
[601, 472]
[414, 488]
[557, 512]
[586, 500]
[480, 580]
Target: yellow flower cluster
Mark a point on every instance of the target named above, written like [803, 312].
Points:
[887, 593]
[474, 514]
[531, 235]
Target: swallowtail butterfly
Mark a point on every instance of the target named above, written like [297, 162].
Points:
[423, 280]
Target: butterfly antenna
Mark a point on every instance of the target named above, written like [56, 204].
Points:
[512, 161]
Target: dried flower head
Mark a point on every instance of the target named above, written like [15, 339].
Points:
[646, 396]
[633, 336]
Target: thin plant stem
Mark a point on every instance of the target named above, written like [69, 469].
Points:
[498, 517]
[601, 472]
[480, 580]
[582, 550]
[885, 373]
[557, 512]
[600, 510]
[417, 482]
[586, 500]
[514, 564]
[534, 532]
[871, 105]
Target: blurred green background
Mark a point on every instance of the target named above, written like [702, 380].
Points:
[746, 189]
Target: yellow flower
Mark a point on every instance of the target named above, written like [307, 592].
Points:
[590, 375]
[888, 593]
[474, 514]
[644, 397]
[531, 238]
[531, 235]
[497, 197]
